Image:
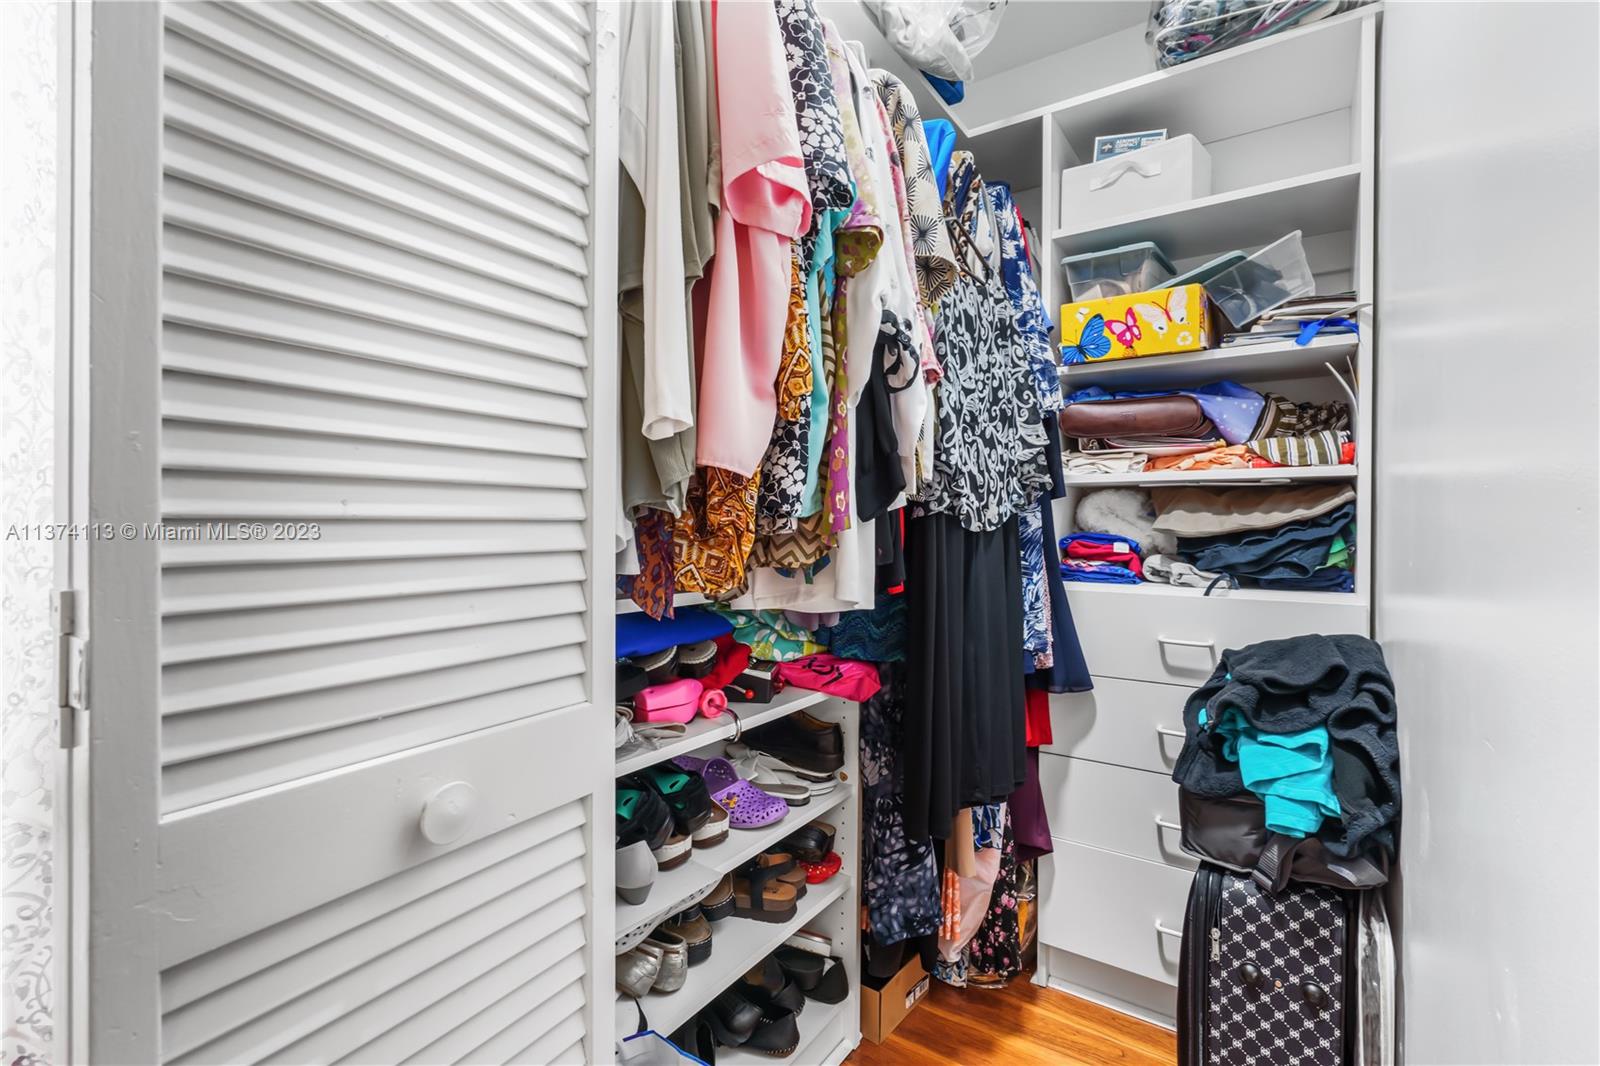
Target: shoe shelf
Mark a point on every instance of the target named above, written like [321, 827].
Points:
[821, 1028]
[706, 866]
[703, 731]
[736, 945]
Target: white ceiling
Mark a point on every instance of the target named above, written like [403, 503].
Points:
[1033, 29]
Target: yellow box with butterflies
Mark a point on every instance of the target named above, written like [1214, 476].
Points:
[1158, 322]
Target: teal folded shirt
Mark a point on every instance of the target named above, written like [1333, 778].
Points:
[1291, 772]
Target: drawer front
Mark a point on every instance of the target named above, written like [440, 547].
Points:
[1176, 636]
[1129, 723]
[1108, 907]
[1131, 812]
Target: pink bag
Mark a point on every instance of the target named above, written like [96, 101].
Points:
[675, 701]
[848, 679]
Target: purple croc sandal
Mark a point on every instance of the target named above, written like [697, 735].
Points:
[748, 807]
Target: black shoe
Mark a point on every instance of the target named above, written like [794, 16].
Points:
[642, 815]
[807, 742]
[695, 1037]
[803, 967]
[834, 986]
[684, 793]
[733, 1018]
[767, 985]
[777, 1035]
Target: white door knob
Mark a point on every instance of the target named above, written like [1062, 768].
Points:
[447, 812]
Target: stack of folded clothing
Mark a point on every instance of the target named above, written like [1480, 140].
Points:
[1275, 538]
[1218, 426]
[1102, 558]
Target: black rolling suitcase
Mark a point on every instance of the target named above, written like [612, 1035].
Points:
[1268, 980]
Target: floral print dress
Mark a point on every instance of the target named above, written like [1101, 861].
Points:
[901, 878]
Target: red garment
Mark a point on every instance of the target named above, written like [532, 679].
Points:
[1105, 553]
[1038, 720]
[732, 659]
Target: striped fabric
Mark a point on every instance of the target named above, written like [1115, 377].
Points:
[1310, 449]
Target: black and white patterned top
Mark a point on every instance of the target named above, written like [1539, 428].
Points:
[989, 452]
[816, 108]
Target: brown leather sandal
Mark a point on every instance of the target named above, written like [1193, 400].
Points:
[759, 895]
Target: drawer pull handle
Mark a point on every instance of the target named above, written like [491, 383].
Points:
[1175, 733]
[1162, 823]
[1165, 930]
[1208, 645]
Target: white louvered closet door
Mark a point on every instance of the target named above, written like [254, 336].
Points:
[346, 777]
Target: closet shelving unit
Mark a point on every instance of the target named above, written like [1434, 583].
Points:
[827, 1032]
[1289, 123]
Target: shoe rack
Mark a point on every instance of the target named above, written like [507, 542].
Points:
[828, 1032]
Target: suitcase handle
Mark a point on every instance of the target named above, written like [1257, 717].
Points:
[1166, 930]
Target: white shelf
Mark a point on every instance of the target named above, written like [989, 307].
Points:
[1244, 219]
[736, 945]
[815, 1019]
[681, 599]
[1278, 475]
[708, 865]
[1304, 71]
[1222, 591]
[703, 731]
[1266, 361]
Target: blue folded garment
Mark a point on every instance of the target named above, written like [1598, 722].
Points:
[1100, 538]
[639, 634]
[1294, 550]
[1328, 579]
[1097, 573]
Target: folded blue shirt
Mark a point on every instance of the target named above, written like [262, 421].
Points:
[639, 634]
[1097, 573]
[1100, 538]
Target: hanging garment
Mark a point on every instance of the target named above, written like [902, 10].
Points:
[1033, 324]
[989, 455]
[1035, 592]
[875, 636]
[766, 206]
[648, 146]
[900, 886]
[783, 469]
[653, 587]
[930, 240]
[941, 136]
[995, 952]
[965, 727]
[1067, 672]
[1030, 823]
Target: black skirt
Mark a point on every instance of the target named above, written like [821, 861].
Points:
[964, 733]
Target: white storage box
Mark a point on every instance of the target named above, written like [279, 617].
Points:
[1176, 170]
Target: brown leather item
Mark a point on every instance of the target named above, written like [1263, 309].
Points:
[1152, 416]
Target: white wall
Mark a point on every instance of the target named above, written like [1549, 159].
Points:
[1486, 512]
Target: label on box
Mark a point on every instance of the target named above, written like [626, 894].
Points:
[1115, 144]
[918, 990]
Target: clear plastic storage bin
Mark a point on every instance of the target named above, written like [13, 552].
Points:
[1116, 271]
[1273, 276]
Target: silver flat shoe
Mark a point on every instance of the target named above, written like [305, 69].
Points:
[637, 970]
[674, 952]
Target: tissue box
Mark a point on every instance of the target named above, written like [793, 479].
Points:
[1157, 322]
[1148, 179]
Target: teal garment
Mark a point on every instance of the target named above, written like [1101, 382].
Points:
[1291, 772]
[820, 280]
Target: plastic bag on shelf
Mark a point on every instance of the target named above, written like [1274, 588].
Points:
[1181, 30]
[940, 37]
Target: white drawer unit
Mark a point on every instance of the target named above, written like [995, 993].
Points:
[1127, 723]
[1138, 635]
[1131, 812]
[1124, 912]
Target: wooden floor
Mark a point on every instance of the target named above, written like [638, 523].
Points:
[1015, 1026]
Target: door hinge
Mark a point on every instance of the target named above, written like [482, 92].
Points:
[72, 665]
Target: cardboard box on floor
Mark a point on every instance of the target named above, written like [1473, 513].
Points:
[882, 1009]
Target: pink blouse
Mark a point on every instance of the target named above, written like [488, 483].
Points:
[765, 207]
